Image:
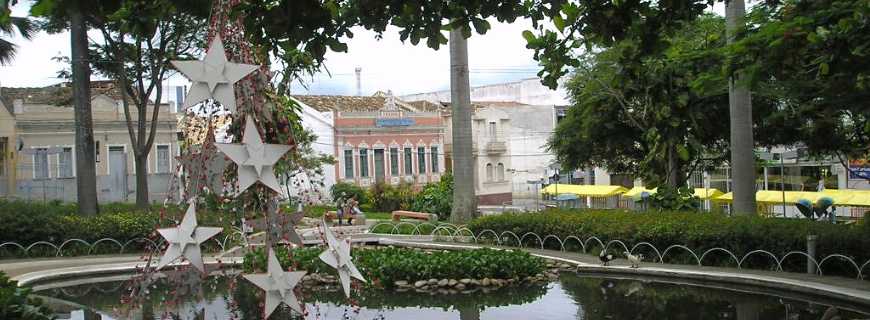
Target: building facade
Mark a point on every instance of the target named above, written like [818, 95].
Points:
[37, 137]
[491, 145]
[322, 125]
[383, 139]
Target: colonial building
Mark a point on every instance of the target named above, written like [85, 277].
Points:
[382, 139]
[37, 141]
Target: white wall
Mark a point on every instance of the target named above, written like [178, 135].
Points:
[531, 127]
[322, 125]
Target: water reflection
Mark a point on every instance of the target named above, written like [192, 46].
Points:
[572, 297]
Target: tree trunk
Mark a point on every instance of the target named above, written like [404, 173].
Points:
[742, 156]
[464, 199]
[673, 178]
[142, 181]
[86, 172]
[469, 313]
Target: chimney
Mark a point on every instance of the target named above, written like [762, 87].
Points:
[358, 72]
[18, 106]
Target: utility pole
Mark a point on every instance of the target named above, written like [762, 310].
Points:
[740, 102]
[464, 199]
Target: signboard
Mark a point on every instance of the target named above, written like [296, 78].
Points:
[394, 122]
[859, 169]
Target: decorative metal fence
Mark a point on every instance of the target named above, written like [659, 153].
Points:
[454, 233]
[79, 247]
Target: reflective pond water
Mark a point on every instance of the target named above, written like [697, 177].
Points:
[588, 297]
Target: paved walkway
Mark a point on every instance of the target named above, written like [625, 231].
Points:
[854, 290]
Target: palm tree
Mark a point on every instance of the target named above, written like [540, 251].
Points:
[25, 28]
[742, 156]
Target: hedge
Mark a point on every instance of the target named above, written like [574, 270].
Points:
[28, 222]
[698, 231]
[387, 265]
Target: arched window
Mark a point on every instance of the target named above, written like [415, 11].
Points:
[489, 172]
[500, 172]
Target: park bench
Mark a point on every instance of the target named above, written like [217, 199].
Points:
[399, 214]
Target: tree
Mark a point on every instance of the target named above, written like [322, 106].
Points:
[740, 101]
[8, 27]
[464, 198]
[77, 16]
[139, 40]
[813, 54]
[298, 33]
[658, 118]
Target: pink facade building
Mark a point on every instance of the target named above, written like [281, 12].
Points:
[381, 139]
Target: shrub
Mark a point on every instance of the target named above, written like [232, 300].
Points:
[349, 190]
[698, 231]
[15, 303]
[29, 222]
[436, 198]
[387, 198]
[388, 265]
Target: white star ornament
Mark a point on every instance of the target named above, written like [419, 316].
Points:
[184, 240]
[255, 159]
[338, 257]
[278, 285]
[213, 77]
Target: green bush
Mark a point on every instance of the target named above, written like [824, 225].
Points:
[388, 198]
[29, 222]
[698, 231]
[15, 303]
[388, 265]
[349, 190]
[436, 198]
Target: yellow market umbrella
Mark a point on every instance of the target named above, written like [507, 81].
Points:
[585, 190]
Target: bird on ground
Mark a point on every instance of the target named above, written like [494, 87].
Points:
[634, 259]
[605, 258]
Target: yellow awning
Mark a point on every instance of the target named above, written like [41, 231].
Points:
[636, 191]
[703, 193]
[585, 190]
[841, 197]
[707, 193]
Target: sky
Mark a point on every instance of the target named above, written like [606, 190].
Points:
[387, 64]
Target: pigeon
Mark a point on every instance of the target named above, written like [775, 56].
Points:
[634, 259]
[605, 258]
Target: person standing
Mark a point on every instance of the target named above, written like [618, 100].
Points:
[351, 209]
[340, 207]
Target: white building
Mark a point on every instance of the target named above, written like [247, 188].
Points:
[321, 124]
[526, 91]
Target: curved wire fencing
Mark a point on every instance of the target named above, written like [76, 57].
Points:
[80, 247]
[793, 261]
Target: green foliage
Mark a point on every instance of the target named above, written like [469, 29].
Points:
[813, 54]
[15, 303]
[698, 231]
[300, 34]
[655, 116]
[387, 198]
[388, 265]
[28, 222]
[436, 198]
[349, 190]
[674, 199]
